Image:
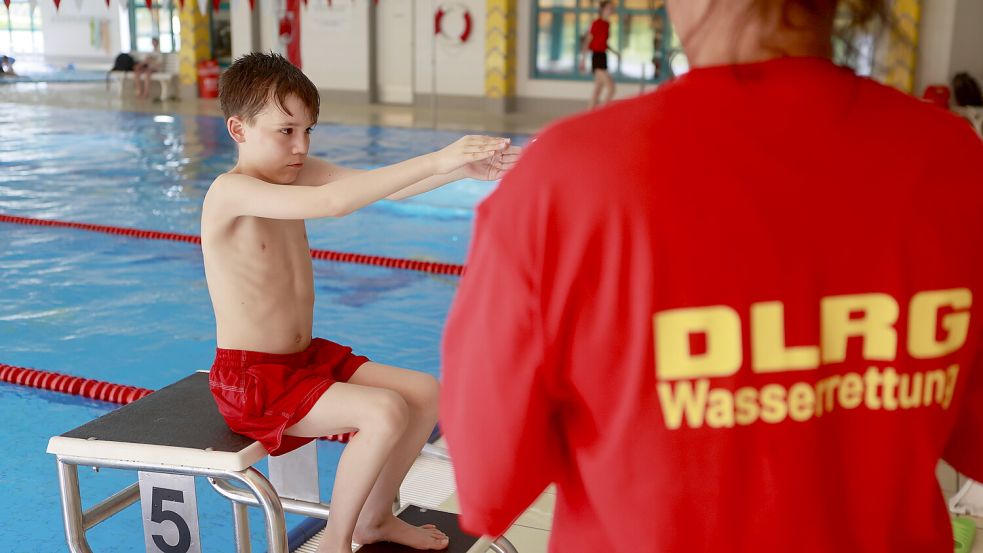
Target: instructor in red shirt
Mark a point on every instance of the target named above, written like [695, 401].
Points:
[752, 323]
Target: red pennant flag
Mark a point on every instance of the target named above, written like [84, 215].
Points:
[181, 3]
[216, 4]
[107, 3]
[57, 4]
[6, 3]
[150, 4]
[252, 5]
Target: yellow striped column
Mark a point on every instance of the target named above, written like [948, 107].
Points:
[500, 54]
[896, 55]
[195, 41]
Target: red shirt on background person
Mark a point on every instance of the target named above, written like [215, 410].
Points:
[750, 323]
[599, 31]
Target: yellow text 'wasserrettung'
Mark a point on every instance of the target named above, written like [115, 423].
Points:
[937, 325]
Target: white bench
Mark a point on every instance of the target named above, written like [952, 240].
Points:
[177, 433]
[974, 115]
[167, 78]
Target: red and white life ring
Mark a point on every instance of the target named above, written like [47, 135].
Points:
[444, 14]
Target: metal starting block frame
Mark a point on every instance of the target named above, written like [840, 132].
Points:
[174, 435]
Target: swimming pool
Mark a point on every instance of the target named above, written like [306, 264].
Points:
[137, 312]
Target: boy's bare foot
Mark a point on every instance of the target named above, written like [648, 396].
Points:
[397, 531]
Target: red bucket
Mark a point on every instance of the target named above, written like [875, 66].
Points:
[938, 95]
[208, 73]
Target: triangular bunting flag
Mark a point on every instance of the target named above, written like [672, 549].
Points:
[203, 7]
[57, 5]
[150, 4]
[252, 5]
[216, 4]
[6, 3]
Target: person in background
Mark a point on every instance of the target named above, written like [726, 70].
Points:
[7, 66]
[743, 313]
[151, 63]
[596, 42]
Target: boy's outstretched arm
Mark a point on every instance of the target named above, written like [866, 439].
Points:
[492, 168]
[489, 169]
[236, 195]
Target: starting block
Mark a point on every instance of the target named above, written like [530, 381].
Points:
[176, 434]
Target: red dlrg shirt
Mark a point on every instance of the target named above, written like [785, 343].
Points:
[749, 319]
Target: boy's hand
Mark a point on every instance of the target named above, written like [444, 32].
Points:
[494, 167]
[470, 149]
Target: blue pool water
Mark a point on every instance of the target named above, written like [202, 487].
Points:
[137, 312]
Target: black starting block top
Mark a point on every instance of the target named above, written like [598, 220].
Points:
[178, 425]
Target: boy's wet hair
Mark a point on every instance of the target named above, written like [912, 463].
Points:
[248, 84]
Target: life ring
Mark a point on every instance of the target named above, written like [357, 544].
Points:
[438, 22]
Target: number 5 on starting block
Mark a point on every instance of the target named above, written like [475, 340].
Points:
[170, 513]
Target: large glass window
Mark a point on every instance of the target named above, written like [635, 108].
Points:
[221, 27]
[160, 21]
[640, 38]
[20, 29]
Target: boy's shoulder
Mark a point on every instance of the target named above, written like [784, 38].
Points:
[230, 179]
[223, 188]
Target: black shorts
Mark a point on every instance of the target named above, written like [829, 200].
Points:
[598, 60]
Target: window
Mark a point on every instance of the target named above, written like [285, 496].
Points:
[640, 33]
[20, 29]
[221, 32]
[161, 21]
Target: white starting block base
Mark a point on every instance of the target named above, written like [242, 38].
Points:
[179, 431]
[968, 500]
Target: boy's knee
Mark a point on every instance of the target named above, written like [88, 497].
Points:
[430, 391]
[427, 395]
[388, 411]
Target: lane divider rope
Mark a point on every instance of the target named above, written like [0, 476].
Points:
[73, 385]
[87, 387]
[433, 267]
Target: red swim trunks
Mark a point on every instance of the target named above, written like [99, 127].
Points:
[262, 394]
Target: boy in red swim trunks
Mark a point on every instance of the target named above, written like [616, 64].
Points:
[271, 380]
